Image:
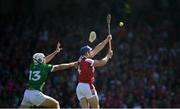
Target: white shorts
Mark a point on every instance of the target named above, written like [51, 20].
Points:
[33, 97]
[83, 90]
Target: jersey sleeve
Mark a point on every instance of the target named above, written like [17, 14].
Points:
[90, 61]
[49, 67]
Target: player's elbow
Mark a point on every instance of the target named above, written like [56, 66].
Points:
[100, 63]
[104, 62]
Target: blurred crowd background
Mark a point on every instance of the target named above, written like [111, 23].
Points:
[144, 70]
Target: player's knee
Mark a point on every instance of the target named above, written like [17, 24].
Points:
[50, 103]
[84, 103]
[56, 103]
[94, 103]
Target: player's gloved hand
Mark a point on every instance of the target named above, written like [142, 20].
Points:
[58, 49]
[110, 53]
[109, 37]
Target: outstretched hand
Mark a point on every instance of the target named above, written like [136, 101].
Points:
[109, 37]
[58, 49]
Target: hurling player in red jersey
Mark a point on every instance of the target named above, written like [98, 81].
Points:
[85, 90]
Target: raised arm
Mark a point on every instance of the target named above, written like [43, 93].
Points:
[102, 62]
[52, 55]
[64, 66]
[100, 46]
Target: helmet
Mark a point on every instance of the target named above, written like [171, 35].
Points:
[38, 57]
[85, 49]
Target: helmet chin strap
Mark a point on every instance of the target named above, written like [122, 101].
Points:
[37, 61]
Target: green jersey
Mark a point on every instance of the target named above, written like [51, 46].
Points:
[38, 75]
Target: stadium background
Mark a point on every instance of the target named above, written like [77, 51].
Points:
[144, 71]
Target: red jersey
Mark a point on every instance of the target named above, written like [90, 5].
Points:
[86, 70]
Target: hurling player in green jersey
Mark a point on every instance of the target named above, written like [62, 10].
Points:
[39, 69]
